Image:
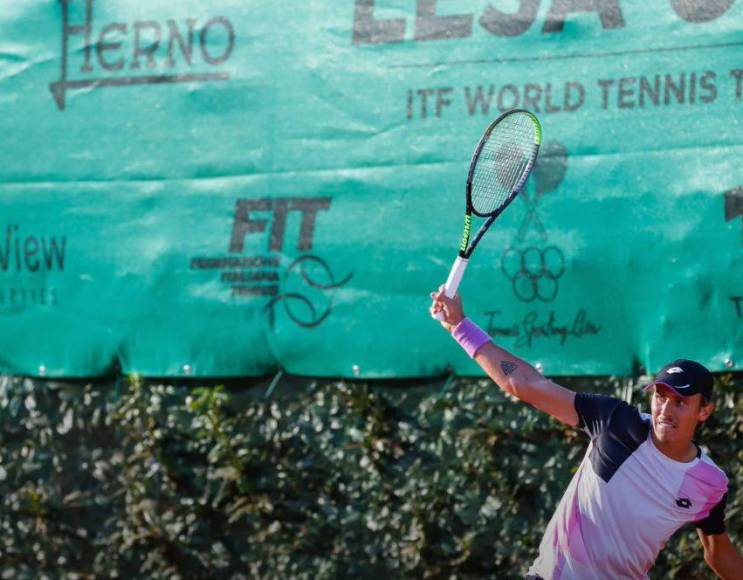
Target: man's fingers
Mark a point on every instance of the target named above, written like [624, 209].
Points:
[438, 296]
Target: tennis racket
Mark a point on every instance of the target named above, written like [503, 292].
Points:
[502, 161]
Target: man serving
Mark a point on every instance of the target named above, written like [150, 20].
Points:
[642, 477]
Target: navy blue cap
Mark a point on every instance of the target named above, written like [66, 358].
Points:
[686, 377]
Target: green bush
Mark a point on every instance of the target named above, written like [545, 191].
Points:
[324, 480]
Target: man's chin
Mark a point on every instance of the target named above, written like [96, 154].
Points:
[664, 432]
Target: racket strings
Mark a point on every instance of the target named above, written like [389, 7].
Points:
[503, 162]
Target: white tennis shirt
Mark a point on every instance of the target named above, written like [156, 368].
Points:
[626, 499]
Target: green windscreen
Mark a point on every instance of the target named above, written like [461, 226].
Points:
[228, 188]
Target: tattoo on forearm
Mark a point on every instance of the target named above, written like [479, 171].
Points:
[508, 367]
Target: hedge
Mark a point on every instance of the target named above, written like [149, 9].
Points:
[317, 479]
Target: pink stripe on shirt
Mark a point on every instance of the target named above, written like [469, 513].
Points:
[703, 483]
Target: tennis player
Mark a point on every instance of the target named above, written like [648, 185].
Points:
[642, 477]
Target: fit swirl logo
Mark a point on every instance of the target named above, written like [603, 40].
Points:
[312, 302]
[532, 265]
[304, 291]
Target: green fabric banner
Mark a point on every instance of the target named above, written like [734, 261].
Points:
[227, 188]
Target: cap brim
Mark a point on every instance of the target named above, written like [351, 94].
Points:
[674, 389]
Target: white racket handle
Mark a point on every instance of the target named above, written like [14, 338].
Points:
[452, 282]
[455, 276]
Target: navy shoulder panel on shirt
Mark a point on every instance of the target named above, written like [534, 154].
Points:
[616, 429]
[714, 523]
[594, 412]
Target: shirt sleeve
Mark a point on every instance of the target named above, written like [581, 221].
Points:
[594, 412]
[714, 523]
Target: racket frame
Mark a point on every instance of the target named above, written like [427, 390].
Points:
[466, 246]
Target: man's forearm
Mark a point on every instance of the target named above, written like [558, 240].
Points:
[513, 375]
[721, 555]
[728, 564]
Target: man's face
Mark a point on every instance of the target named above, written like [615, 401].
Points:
[675, 417]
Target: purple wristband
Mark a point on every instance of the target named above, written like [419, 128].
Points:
[470, 336]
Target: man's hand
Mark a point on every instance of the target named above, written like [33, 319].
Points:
[450, 307]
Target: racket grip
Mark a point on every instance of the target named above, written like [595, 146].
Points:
[452, 282]
[455, 276]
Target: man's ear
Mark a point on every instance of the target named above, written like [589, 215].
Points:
[705, 411]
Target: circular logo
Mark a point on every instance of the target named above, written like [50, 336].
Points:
[533, 271]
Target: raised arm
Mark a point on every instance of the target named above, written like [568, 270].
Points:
[512, 374]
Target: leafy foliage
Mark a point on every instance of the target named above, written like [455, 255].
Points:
[331, 480]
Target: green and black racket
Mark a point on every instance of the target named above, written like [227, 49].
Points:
[502, 161]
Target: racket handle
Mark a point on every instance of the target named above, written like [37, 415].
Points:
[455, 276]
[452, 282]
